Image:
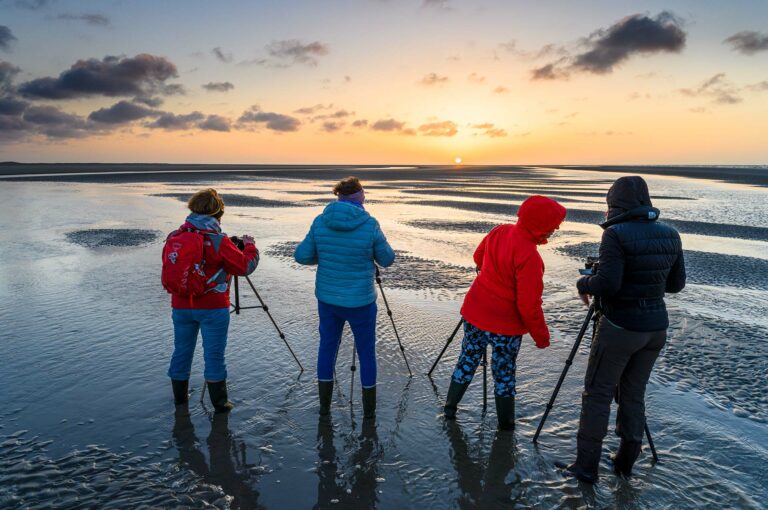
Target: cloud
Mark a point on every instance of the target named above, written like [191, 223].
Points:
[476, 78]
[637, 34]
[96, 20]
[271, 120]
[388, 125]
[54, 123]
[293, 51]
[443, 5]
[221, 55]
[309, 110]
[32, 5]
[445, 128]
[12, 106]
[759, 87]
[153, 102]
[500, 90]
[6, 38]
[220, 86]
[748, 43]
[490, 130]
[332, 126]
[360, 123]
[121, 113]
[7, 73]
[718, 88]
[339, 114]
[143, 75]
[173, 122]
[433, 79]
[215, 123]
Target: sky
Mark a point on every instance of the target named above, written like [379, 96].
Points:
[384, 81]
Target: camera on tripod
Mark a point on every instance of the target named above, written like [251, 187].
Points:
[590, 267]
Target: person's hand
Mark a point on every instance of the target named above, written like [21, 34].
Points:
[584, 298]
[247, 239]
[542, 343]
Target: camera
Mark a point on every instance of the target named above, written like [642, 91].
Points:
[238, 242]
[590, 267]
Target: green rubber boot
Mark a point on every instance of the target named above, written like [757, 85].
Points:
[218, 393]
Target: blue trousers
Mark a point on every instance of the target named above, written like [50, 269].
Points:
[503, 361]
[362, 321]
[187, 323]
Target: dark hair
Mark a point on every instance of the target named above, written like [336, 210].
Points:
[207, 202]
[347, 186]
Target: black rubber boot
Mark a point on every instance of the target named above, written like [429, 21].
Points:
[218, 393]
[586, 465]
[180, 391]
[455, 393]
[505, 412]
[625, 457]
[369, 402]
[325, 390]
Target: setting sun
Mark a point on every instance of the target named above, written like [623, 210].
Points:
[458, 161]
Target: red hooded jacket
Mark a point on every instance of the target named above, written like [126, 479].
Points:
[505, 298]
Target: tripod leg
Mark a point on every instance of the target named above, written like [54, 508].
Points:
[568, 364]
[392, 320]
[237, 296]
[447, 343]
[272, 319]
[650, 443]
[353, 368]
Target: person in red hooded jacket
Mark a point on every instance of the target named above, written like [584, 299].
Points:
[504, 303]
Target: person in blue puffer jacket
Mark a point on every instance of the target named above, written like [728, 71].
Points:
[346, 243]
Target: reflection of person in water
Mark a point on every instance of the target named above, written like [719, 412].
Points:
[362, 484]
[224, 464]
[482, 488]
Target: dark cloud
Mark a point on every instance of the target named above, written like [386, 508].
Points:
[174, 122]
[433, 79]
[637, 34]
[221, 86]
[360, 123]
[152, 102]
[143, 76]
[54, 123]
[748, 43]
[444, 128]
[309, 110]
[332, 126]
[121, 113]
[96, 20]
[31, 5]
[6, 38]
[339, 114]
[271, 120]
[215, 123]
[7, 73]
[221, 55]
[12, 106]
[388, 125]
[717, 88]
[292, 51]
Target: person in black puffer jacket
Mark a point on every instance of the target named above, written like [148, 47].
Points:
[640, 260]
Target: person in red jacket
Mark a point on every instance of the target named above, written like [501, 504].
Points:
[208, 313]
[504, 303]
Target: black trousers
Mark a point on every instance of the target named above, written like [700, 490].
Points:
[619, 360]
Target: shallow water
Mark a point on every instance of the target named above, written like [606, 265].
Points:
[86, 416]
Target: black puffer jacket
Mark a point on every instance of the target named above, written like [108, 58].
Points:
[640, 260]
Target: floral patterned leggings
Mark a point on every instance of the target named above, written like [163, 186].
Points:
[503, 361]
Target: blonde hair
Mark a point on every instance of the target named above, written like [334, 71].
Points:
[207, 202]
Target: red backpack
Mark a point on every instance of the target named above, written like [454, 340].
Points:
[183, 263]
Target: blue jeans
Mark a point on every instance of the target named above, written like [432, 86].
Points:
[214, 324]
[503, 362]
[362, 321]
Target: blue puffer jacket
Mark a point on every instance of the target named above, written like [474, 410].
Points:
[345, 241]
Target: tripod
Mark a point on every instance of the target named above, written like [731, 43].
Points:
[236, 308]
[593, 314]
[483, 362]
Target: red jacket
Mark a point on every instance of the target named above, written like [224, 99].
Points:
[223, 259]
[505, 298]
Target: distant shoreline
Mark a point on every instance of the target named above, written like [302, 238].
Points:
[114, 172]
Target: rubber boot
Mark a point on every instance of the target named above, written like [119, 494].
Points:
[455, 393]
[180, 391]
[586, 465]
[325, 390]
[625, 457]
[505, 412]
[218, 393]
[369, 402]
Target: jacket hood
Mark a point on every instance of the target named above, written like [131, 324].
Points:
[344, 216]
[644, 212]
[626, 194]
[202, 222]
[539, 216]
